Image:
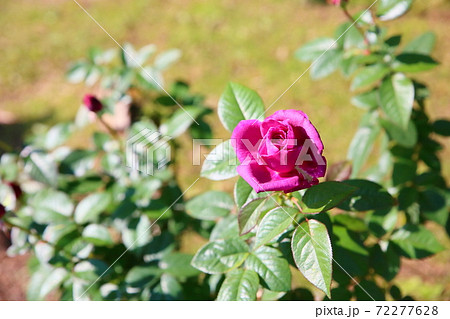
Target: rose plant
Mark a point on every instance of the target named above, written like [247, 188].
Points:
[346, 235]
[100, 230]
[88, 219]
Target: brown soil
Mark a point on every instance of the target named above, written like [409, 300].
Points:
[13, 274]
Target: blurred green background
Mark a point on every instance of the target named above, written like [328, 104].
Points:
[251, 42]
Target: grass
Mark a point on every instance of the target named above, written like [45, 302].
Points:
[251, 42]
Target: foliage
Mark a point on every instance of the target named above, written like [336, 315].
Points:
[344, 235]
[99, 230]
[88, 218]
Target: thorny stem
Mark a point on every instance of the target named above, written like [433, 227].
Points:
[361, 30]
[295, 202]
[31, 233]
[28, 231]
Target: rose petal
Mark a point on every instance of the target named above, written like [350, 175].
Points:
[245, 139]
[264, 179]
[282, 161]
[299, 121]
[314, 169]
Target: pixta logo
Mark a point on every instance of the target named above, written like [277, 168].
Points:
[148, 150]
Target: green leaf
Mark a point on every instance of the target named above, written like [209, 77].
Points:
[349, 253]
[226, 228]
[210, 205]
[348, 65]
[249, 214]
[239, 285]
[393, 41]
[314, 49]
[367, 100]
[45, 280]
[412, 62]
[239, 103]
[272, 295]
[311, 247]
[61, 234]
[326, 64]
[221, 256]
[136, 234]
[350, 222]
[415, 241]
[178, 265]
[51, 206]
[325, 196]
[201, 131]
[167, 58]
[9, 168]
[430, 158]
[423, 44]
[385, 261]
[271, 267]
[78, 162]
[57, 135]
[221, 163]
[404, 171]
[243, 192]
[368, 196]
[392, 9]
[434, 204]
[90, 269]
[382, 221]
[140, 126]
[91, 207]
[274, 223]
[442, 127]
[168, 289]
[98, 235]
[404, 137]
[141, 276]
[361, 146]
[181, 120]
[397, 98]
[42, 168]
[77, 72]
[369, 76]
[352, 37]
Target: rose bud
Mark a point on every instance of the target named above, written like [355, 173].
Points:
[337, 2]
[92, 103]
[281, 153]
[16, 189]
[2, 211]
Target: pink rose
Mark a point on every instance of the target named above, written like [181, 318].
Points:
[281, 153]
[92, 103]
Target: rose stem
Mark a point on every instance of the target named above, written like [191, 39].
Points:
[350, 17]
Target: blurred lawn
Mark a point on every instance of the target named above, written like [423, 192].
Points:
[250, 42]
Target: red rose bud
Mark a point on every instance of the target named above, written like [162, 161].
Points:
[337, 2]
[2, 211]
[92, 103]
[16, 189]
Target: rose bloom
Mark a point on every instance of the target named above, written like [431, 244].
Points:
[92, 103]
[281, 153]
